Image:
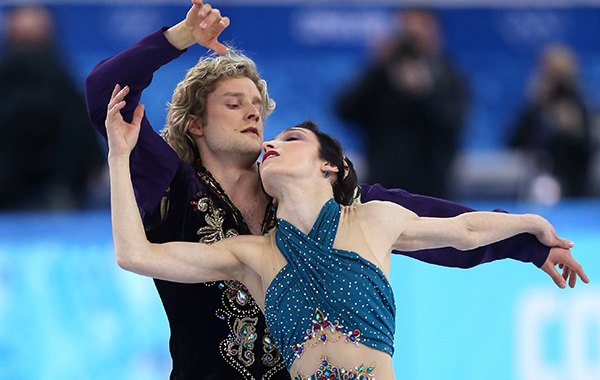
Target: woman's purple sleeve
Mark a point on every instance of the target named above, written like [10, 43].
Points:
[523, 247]
[153, 162]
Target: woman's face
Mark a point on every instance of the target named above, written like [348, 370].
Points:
[292, 153]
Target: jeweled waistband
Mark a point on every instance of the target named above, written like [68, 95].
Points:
[328, 371]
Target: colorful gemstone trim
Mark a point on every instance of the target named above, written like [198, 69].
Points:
[328, 371]
[319, 333]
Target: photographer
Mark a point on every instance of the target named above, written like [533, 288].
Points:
[555, 124]
[411, 105]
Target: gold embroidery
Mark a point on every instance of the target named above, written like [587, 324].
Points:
[241, 343]
[214, 218]
[233, 362]
[239, 311]
[272, 354]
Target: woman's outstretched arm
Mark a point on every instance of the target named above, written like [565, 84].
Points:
[522, 247]
[409, 232]
[474, 229]
[178, 261]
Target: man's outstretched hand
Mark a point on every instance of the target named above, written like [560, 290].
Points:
[203, 24]
[562, 258]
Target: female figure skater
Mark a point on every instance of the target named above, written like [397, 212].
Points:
[321, 276]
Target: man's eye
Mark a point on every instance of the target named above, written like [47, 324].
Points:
[291, 138]
[233, 105]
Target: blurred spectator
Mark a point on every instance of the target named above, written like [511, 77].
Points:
[555, 125]
[411, 104]
[49, 156]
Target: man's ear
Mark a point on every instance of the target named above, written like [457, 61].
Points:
[195, 126]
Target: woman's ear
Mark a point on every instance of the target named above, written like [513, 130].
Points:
[328, 169]
[195, 126]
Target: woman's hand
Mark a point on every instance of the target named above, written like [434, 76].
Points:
[546, 234]
[122, 136]
[560, 255]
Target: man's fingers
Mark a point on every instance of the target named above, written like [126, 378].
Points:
[215, 44]
[556, 277]
[572, 278]
[571, 269]
[218, 47]
[212, 18]
[575, 269]
[204, 13]
[197, 6]
[579, 270]
[224, 22]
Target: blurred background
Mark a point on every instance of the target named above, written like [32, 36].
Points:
[490, 103]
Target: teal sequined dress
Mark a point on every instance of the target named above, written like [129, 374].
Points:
[326, 288]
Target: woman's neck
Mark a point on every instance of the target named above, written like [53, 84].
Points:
[301, 205]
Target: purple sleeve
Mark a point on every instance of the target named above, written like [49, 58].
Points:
[153, 162]
[523, 247]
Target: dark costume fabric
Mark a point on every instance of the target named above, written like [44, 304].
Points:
[349, 291]
[217, 330]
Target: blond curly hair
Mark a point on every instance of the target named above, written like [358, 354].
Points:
[191, 94]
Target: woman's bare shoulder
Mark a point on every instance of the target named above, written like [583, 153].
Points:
[380, 209]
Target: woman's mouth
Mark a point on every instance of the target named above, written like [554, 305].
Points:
[269, 154]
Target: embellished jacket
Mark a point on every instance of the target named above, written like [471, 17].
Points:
[217, 330]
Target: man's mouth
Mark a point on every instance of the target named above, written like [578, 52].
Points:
[268, 154]
[253, 130]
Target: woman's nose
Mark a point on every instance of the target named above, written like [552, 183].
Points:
[267, 145]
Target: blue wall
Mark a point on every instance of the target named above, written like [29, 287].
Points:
[309, 54]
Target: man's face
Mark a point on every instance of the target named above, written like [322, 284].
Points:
[233, 118]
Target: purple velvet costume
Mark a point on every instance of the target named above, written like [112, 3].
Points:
[217, 331]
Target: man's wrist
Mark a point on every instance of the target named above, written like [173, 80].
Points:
[180, 36]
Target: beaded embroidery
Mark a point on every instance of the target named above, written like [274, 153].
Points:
[319, 333]
[328, 371]
[214, 218]
[241, 345]
[272, 355]
[239, 311]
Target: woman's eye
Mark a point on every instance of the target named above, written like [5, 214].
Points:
[233, 105]
[291, 138]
